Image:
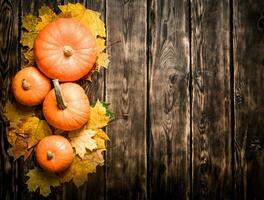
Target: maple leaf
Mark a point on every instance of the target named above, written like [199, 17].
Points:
[98, 118]
[89, 18]
[109, 112]
[14, 111]
[82, 140]
[29, 22]
[95, 157]
[102, 61]
[100, 44]
[20, 148]
[47, 16]
[79, 168]
[29, 56]
[27, 40]
[25, 133]
[100, 138]
[42, 180]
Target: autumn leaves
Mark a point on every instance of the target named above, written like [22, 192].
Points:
[27, 125]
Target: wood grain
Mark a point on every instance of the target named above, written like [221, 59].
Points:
[211, 123]
[169, 66]
[9, 59]
[171, 81]
[248, 43]
[126, 81]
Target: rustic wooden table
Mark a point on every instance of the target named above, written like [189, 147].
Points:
[186, 82]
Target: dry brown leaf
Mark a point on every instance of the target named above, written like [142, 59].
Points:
[25, 133]
[29, 56]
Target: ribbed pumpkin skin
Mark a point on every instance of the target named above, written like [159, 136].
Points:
[77, 112]
[39, 86]
[62, 152]
[49, 44]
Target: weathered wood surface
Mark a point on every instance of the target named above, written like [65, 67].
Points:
[211, 123]
[185, 81]
[10, 181]
[126, 82]
[248, 43]
[169, 109]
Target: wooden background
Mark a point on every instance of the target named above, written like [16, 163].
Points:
[186, 81]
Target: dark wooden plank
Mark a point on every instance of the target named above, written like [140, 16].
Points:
[249, 101]
[211, 121]
[169, 67]
[126, 81]
[9, 60]
[95, 187]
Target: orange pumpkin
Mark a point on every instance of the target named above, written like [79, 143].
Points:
[66, 107]
[54, 153]
[30, 86]
[65, 50]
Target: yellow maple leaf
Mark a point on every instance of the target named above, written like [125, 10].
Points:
[100, 44]
[101, 134]
[27, 39]
[29, 22]
[89, 18]
[47, 16]
[42, 180]
[79, 168]
[45, 10]
[14, 111]
[98, 118]
[102, 61]
[81, 140]
[100, 138]
[24, 133]
[72, 10]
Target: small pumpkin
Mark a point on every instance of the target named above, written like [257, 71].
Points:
[30, 86]
[54, 153]
[66, 107]
[65, 50]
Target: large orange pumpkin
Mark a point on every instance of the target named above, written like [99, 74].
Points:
[65, 50]
[66, 107]
[30, 86]
[54, 153]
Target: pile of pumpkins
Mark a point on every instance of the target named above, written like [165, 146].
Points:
[64, 51]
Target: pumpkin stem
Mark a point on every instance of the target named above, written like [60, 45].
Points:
[49, 155]
[68, 51]
[25, 85]
[60, 103]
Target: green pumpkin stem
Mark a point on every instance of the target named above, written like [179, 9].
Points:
[60, 103]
